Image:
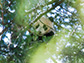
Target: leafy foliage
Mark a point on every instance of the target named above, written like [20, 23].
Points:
[17, 44]
[64, 47]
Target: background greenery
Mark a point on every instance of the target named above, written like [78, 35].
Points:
[18, 45]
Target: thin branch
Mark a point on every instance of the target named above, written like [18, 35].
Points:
[2, 14]
[40, 6]
[39, 16]
[3, 31]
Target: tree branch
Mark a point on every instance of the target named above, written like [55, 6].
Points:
[2, 14]
[3, 31]
[39, 16]
[40, 6]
